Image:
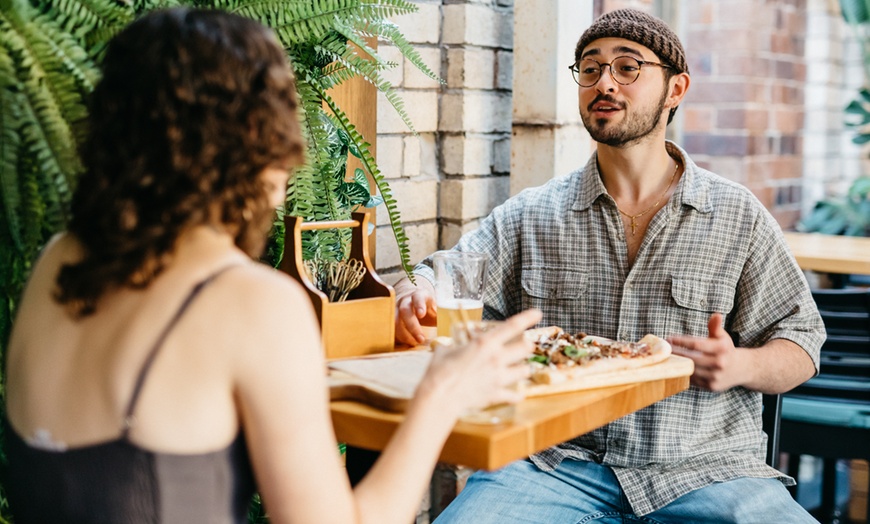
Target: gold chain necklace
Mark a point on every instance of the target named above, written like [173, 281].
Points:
[650, 208]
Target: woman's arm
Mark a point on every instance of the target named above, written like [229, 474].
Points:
[282, 394]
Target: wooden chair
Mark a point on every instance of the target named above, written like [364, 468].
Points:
[829, 415]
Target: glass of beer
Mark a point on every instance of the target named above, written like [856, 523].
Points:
[459, 280]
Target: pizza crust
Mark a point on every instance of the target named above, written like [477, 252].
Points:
[660, 350]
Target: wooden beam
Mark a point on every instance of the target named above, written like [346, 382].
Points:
[358, 98]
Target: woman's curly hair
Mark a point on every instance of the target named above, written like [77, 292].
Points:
[192, 106]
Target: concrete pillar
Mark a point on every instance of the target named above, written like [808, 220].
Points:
[548, 138]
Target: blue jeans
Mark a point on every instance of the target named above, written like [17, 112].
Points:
[579, 492]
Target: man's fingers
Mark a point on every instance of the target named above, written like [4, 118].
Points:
[420, 304]
[715, 327]
[404, 336]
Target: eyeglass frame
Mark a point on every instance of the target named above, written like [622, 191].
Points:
[575, 72]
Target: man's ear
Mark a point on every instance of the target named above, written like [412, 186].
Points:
[679, 86]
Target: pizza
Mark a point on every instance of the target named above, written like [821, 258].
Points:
[560, 356]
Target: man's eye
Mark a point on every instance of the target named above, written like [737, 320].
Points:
[628, 68]
[589, 70]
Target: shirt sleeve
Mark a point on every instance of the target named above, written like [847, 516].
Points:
[773, 298]
[499, 237]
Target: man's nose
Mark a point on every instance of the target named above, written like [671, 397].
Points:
[606, 83]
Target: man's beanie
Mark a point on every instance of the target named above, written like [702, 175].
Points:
[639, 27]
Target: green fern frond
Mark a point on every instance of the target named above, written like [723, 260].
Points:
[45, 61]
[386, 30]
[370, 69]
[91, 22]
[371, 167]
[10, 122]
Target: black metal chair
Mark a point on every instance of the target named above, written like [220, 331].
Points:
[829, 415]
[771, 422]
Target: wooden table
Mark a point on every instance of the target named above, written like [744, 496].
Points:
[539, 423]
[830, 253]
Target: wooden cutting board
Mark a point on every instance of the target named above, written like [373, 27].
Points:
[388, 381]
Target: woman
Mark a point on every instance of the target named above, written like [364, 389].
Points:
[153, 367]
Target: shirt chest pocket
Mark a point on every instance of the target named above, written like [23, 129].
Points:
[559, 293]
[709, 297]
[554, 283]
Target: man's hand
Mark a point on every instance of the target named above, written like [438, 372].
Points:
[415, 307]
[718, 364]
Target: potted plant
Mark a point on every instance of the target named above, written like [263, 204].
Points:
[48, 55]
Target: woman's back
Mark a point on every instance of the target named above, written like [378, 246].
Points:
[71, 388]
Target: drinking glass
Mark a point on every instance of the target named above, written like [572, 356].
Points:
[459, 281]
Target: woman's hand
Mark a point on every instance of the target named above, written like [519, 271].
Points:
[484, 371]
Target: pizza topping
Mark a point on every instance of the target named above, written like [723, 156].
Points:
[563, 349]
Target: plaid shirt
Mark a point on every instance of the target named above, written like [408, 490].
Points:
[713, 247]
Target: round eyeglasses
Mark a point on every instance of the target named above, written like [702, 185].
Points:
[623, 69]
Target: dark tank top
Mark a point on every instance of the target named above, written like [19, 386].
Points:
[118, 481]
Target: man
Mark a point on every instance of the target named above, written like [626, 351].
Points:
[642, 240]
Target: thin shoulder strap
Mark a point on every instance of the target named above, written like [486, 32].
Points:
[152, 354]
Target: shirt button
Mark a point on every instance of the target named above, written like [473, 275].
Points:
[625, 335]
[703, 301]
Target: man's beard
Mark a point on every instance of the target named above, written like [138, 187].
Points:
[628, 131]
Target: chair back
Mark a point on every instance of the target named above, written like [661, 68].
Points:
[844, 372]
[771, 417]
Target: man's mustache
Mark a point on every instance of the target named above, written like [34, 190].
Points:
[605, 98]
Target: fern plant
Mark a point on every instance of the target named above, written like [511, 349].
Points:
[49, 51]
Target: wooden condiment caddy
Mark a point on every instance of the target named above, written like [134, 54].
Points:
[363, 324]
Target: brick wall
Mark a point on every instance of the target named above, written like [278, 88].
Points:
[744, 114]
[456, 171]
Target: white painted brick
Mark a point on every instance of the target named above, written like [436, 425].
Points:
[476, 112]
[451, 233]
[390, 276]
[428, 155]
[539, 154]
[420, 156]
[471, 68]
[417, 200]
[501, 155]
[472, 198]
[477, 25]
[411, 161]
[421, 106]
[390, 156]
[422, 240]
[391, 54]
[451, 117]
[816, 119]
[467, 155]
[415, 78]
[422, 27]
[504, 70]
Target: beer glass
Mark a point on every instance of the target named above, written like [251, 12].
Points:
[459, 281]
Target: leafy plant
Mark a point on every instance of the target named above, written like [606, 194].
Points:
[849, 215]
[857, 14]
[49, 50]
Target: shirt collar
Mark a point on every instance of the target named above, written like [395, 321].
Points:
[693, 189]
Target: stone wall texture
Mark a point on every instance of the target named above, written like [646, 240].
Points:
[769, 83]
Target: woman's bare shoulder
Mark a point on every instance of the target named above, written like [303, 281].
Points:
[262, 294]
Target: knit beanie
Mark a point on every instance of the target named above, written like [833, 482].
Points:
[639, 27]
